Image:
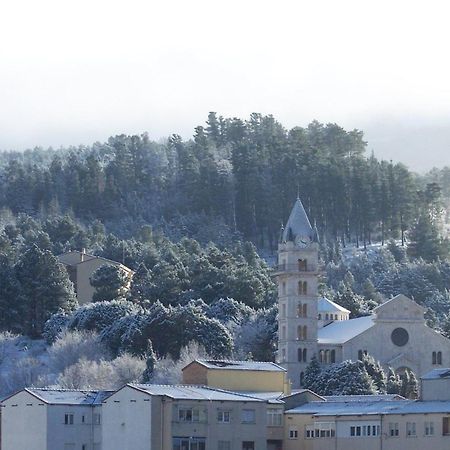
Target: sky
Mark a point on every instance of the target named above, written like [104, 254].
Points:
[76, 72]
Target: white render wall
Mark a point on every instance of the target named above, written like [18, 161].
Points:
[24, 423]
[127, 420]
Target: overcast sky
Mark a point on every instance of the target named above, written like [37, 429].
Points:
[75, 72]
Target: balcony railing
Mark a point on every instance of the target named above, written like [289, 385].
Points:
[290, 268]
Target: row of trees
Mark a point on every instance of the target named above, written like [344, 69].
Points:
[234, 177]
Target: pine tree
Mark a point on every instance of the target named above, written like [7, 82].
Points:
[394, 383]
[110, 283]
[312, 372]
[44, 289]
[376, 372]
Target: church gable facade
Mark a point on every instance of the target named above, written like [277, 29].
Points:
[395, 334]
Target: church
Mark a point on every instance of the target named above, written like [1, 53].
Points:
[394, 334]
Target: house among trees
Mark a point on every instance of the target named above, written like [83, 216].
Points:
[81, 267]
[394, 334]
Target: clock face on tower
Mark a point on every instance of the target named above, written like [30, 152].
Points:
[302, 241]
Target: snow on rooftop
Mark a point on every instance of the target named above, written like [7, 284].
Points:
[339, 332]
[189, 392]
[241, 365]
[362, 398]
[437, 374]
[372, 407]
[69, 397]
[325, 305]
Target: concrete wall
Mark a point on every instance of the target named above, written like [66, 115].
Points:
[435, 389]
[127, 420]
[343, 441]
[84, 430]
[235, 380]
[24, 423]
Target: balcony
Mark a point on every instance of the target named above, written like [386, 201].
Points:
[293, 268]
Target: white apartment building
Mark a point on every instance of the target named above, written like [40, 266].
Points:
[49, 419]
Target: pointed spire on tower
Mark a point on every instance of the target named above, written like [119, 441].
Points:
[298, 223]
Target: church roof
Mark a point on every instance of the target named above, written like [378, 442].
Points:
[298, 223]
[437, 374]
[341, 331]
[325, 305]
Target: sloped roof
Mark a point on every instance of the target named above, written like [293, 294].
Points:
[325, 305]
[398, 298]
[437, 374]
[68, 396]
[181, 392]
[239, 365]
[363, 398]
[298, 223]
[371, 407]
[342, 331]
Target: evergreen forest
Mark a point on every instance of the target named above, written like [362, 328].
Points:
[198, 222]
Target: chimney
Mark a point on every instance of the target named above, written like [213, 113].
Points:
[83, 252]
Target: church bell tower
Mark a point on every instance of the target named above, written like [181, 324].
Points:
[297, 279]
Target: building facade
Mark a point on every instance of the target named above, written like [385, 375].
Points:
[297, 277]
[81, 266]
[49, 419]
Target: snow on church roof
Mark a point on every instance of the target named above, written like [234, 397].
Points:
[339, 332]
[327, 306]
[298, 223]
[239, 365]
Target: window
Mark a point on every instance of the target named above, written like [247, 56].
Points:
[324, 429]
[293, 433]
[302, 378]
[439, 357]
[283, 310]
[299, 355]
[429, 429]
[300, 309]
[326, 316]
[274, 417]
[410, 428]
[320, 316]
[302, 288]
[364, 430]
[68, 419]
[248, 445]
[83, 419]
[248, 416]
[321, 356]
[224, 445]
[223, 416]
[188, 415]
[309, 431]
[305, 354]
[433, 358]
[188, 443]
[333, 356]
[399, 337]
[446, 426]
[393, 429]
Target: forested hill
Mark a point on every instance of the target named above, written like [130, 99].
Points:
[233, 178]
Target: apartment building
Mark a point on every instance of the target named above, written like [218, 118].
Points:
[51, 419]
[181, 417]
[374, 422]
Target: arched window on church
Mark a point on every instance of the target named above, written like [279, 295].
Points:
[439, 357]
[305, 288]
[299, 355]
[305, 310]
[326, 316]
[305, 333]
[335, 317]
[320, 316]
[299, 332]
[321, 356]
[299, 309]
[433, 358]
[302, 377]
[327, 356]
[333, 356]
[305, 355]
[302, 265]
